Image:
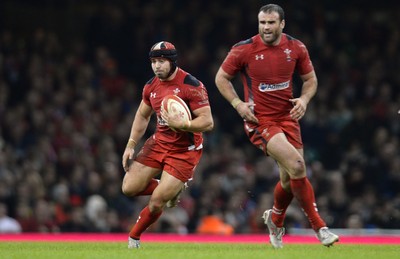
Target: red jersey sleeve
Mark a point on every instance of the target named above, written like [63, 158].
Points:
[146, 93]
[233, 62]
[304, 64]
[198, 97]
[194, 92]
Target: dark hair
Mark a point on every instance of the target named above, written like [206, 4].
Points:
[269, 8]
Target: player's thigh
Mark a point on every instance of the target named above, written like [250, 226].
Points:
[182, 165]
[289, 158]
[138, 177]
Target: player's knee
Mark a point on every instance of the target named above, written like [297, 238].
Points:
[298, 168]
[125, 190]
[156, 205]
[128, 189]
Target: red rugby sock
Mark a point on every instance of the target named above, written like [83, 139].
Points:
[150, 188]
[304, 193]
[282, 199]
[145, 219]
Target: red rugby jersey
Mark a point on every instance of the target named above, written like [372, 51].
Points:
[266, 73]
[192, 91]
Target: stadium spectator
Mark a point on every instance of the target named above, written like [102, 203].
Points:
[7, 223]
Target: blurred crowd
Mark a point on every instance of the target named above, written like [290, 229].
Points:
[68, 97]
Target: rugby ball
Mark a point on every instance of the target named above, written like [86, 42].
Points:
[176, 107]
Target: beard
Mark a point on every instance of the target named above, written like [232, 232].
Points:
[162, 75]
[269, 39]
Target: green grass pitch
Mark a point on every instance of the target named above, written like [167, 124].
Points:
[116, 250]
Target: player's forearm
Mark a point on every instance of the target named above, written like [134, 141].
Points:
[200, 124]
[203, 121]
[139, 126]
[309, 89]
[225, 87]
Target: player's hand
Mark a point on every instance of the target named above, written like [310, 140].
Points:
[171, 121]
[164, 114]
[127, 158]
[165, 117]
[245, 111]
[299, 108]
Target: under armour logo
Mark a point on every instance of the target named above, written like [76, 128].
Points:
[176, 91]
[153, 95]
[259, 56]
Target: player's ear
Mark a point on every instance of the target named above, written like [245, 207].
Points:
[283, 24]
